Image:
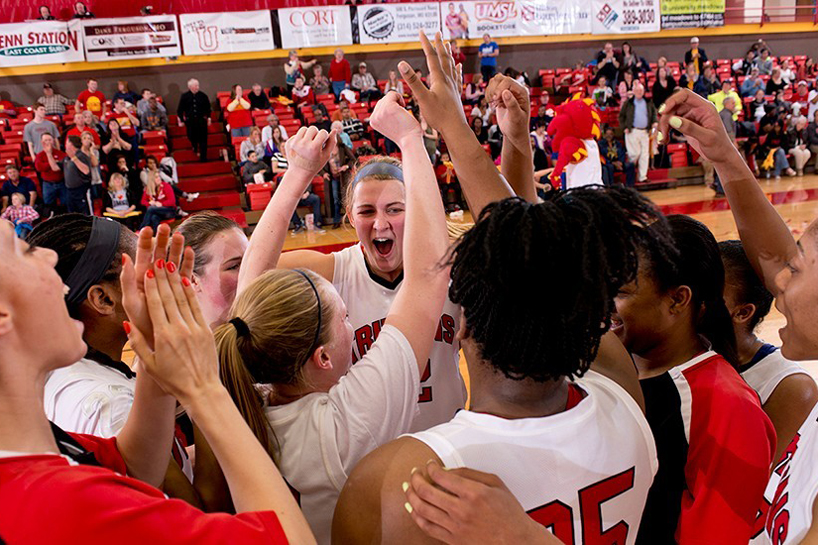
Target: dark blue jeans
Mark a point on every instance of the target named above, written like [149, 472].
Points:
[335, 185]
[78, 200]
[314, 202]
[154, 215]
[608, 170]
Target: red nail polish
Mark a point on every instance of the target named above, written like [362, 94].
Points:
[185, 282]
[123, 259]
[160, 263]
[127, 327]
[150, 274]
[171, 267]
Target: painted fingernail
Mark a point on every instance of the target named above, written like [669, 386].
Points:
[429, 461]
[675, 122]
[660, 137]
[405, 485]
[408, 508]
[127, 327]
[123, 259]
[171, 267]
[414, 470]
[662, 108]
[185, 282]
[160, 263]
[150, 274]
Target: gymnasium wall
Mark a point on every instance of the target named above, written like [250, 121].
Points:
[169, 80]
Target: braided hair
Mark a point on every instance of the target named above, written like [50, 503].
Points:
[589, 237]
[749, 287]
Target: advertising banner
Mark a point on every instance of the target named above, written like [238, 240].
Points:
[624, 16]
[315, 26]
[386, 23]
[40, 42]
[131, 38]
[470, 20]
[209, 33]
[550, 17]
[692, 13]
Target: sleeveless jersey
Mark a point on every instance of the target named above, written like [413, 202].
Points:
[368, 298]
[586, 172]
[767, 369]
[582, 473]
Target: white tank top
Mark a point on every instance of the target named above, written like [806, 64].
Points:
[368, 298]
[586, 172]
[765, 374]
[580, 472]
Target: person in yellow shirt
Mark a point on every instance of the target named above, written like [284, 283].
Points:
[726, 91]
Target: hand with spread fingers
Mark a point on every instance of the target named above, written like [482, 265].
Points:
[440, 103]
[309, 150]
[513, 108]
[391, 119]
[697, 119]
[464, 506]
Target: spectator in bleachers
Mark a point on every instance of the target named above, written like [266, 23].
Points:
[312, 201]
[154, 118]
[158, 201]
[799, 145]
[54, 103]
[21, 215]
[319, 82]
[744, 66]
[781, 103]
[48, 164]
[457, 55]
[272, 124]
[812, 139]
[81, 11]
[365, 84]
[351, 125]
[336, 172]
[117, 145]
[808, 69]
[633, 62]
[474, 90]
[545, 115]
[752, 83]
[92, 99]
[322, 122]
[774, 152]
[253, 167]
[607, 64]
[801, 96]
[431, 139]
[257, 98]
[343, 137]
[758, 107]
[540, 136]
[484, 110]
[342, 105]
[295, 67]
[194, 114]
[92, 150]
[253, 143]
[602, 94]
[757, 46]
[728, 112]
[274, 152]
[775, 83]
[488, 53]
[479, 129]
[625, 88]
[125, 115]
[340, 74]
[239, 119]
[708, 83]
[796, 117]
[7, 110]
[124, 92]
[45, 14]
[17, 184]
[612, 153]
[724, 93]
[764, 63]
[93, 122]
[696, 55]
[638, 119]
[663, 87]
[118, 202]
[34, 130]
[787, 73]
[393, 83]
[302, 93]
[689, 78]
[152, 166]
[145, 101]
[541, 169]
[80, 127]
[77, 170]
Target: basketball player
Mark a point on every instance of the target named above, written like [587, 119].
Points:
[522, 353]
[789, 270]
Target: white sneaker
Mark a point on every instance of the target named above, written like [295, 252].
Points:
[181, 213]
[192, 197]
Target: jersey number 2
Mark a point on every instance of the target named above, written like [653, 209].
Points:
[559, 517]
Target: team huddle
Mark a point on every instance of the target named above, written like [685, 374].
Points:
[303, 397]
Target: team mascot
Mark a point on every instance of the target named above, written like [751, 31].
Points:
[573, 132]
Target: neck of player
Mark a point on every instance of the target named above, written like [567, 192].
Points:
[680, 345]
[23, 425]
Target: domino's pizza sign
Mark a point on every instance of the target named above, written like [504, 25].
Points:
[607, 16]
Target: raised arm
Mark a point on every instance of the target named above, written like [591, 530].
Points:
[441, 106]
[766, 238]
[307, 153]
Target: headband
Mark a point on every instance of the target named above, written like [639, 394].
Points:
[242, 329]
[379, 168]
[95, 260]
[318, 299]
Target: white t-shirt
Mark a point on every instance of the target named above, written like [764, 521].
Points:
[323, 436]
[587, 171]
[766, 374]
[267, 133]
[588, 467]
[368, 299]
[813, 104]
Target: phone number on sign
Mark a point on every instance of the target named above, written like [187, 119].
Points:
[638, 17]
[415, 26]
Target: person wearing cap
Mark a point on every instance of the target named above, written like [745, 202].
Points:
[801, 96]
[54, 103]
[696, 55]
[295, 67]
[365, 84]
[752, 83]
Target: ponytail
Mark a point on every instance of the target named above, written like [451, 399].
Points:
[716, 325]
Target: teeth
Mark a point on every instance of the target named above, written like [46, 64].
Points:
[381, 240]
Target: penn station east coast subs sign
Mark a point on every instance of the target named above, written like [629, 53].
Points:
[40, 42]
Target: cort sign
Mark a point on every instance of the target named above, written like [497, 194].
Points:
[311, 27]
[312, 17]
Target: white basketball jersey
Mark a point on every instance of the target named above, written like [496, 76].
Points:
[579, 473]
[766, 374]
[368, 298]
[586, 172]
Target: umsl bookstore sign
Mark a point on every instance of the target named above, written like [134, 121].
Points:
[315, 26]
[495, 18]
[40, 42]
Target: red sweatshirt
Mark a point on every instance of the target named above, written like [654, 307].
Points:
[44, 168]
[164, 195]
[340, 71]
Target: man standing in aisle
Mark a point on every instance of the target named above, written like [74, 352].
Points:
[488, 52]
[696, 55]
[194, 113]
[638, 117]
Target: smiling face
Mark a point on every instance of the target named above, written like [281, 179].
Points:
[216, 285]
[377, 212]
[797, 299]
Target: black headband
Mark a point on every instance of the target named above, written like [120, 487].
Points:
[95, 260]
[242, 329]
[318, 300]
[379, 168]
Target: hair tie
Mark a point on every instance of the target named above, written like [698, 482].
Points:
[318, 299]
[242, 330]
[95, 260]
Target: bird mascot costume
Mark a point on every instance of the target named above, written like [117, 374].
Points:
[574, 132]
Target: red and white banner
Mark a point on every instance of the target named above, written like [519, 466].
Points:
[470, 20]
[234, 32]
[388, 23]
[40, 42]
[625, 16]
[131, 38]
[315, 26]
